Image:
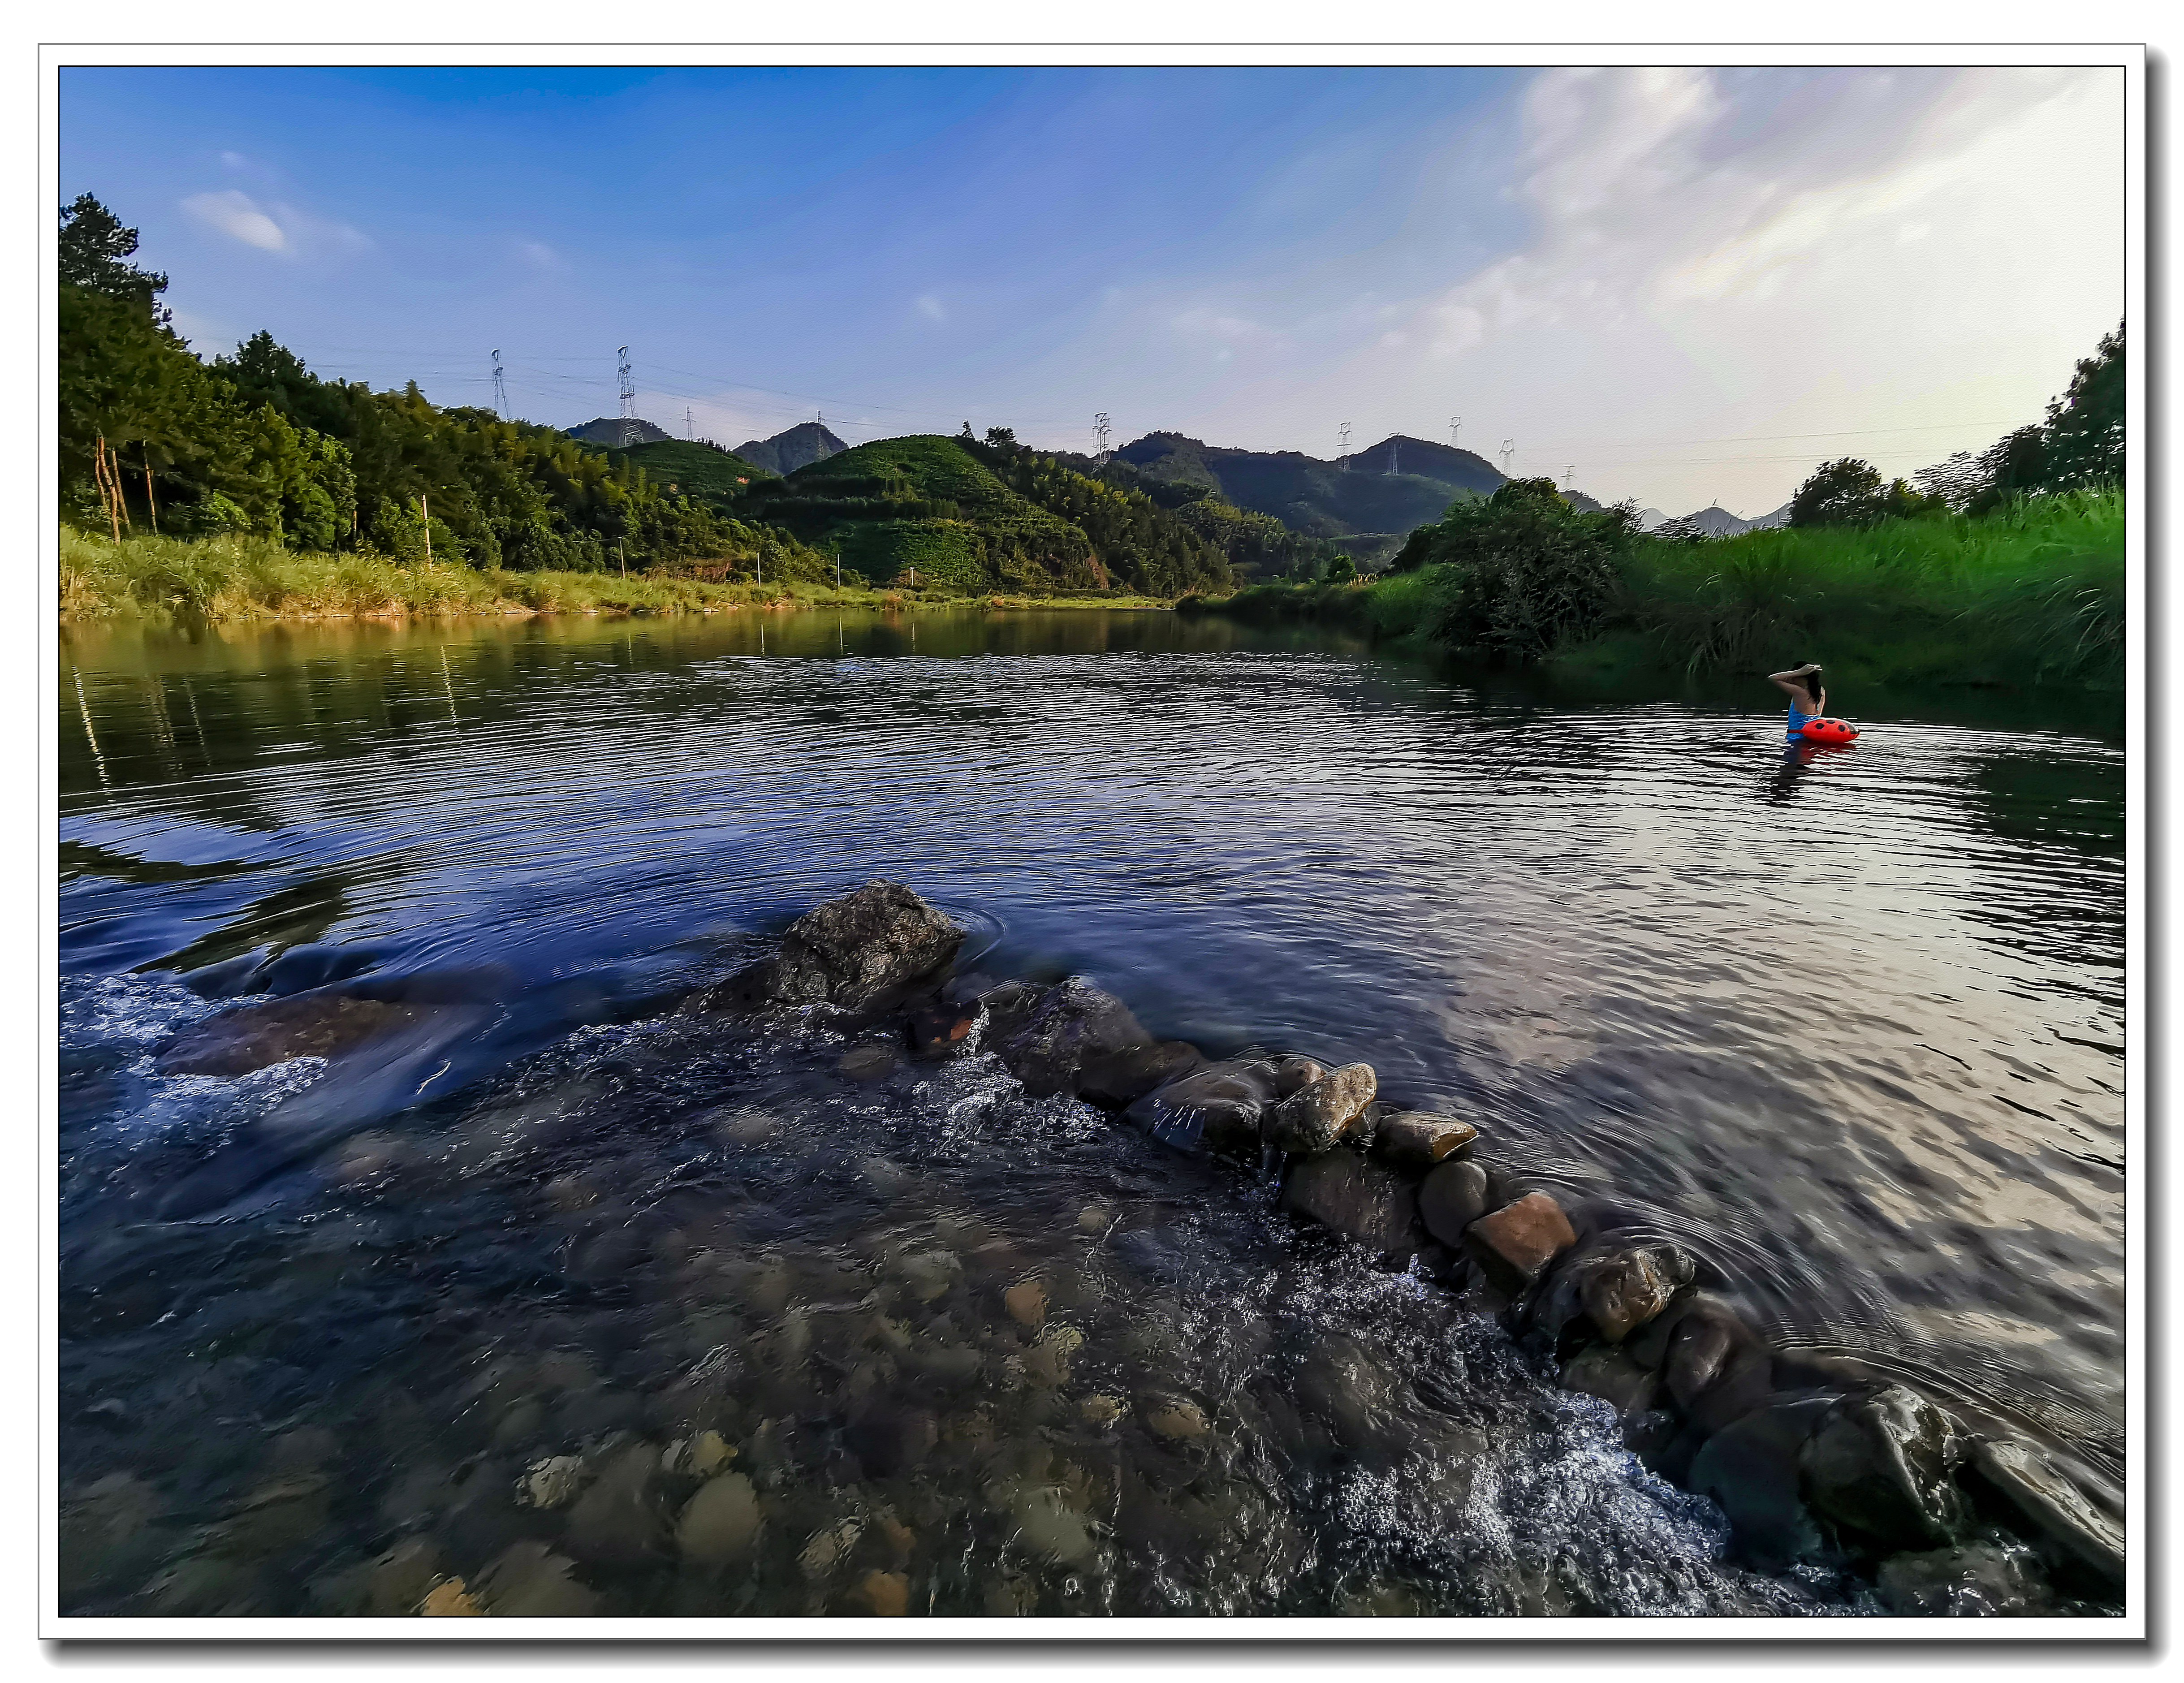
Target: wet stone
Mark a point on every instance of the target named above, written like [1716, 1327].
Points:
[1752, 1468]
[1451, 1198]
[1519, 1240]
[1609, 1374]
[551, 1483]
[1973, 1580]
[305, 1025]
[529, 1580]
[1362, 1199]
[873, 1060]
[1075, 1025]
[1026, 1302]
[2055, 1507]
[1316, 1117]
[616, 1521]
[721, 1522]
[885, 1595]
[1121, 1078]
[1216, 1108]
[1880, 1465]
[450, 1599]
[937, 1030]
[1418, 1140]
[1294, 1074]
[856, 953]
[1174, 1416]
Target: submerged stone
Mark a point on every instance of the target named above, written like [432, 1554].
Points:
[1365, 1201]
[1075, 1024]
[1880, 1464]
[1975, 1580]
[531, 1581]
[2056, 1507]
[1611, 1375]
[305, 1025]
[721, 1522]
[1752, 1468]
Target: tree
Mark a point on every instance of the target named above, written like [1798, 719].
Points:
[95, 250]
[1845, 492]
[2085, 431]
[1341, 569]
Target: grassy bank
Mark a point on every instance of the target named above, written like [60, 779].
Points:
[250, 578]
[2031, 594]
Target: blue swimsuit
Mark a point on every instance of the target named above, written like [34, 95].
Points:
[1797, 718]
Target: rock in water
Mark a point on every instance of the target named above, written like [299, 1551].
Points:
[1314, 1118]
[302, 1026]
[1880, 1464]
[1294, 1074]
[529, 1581]
[1417, 1140]
[1602, 1371]
[1451, 1199]
[1367, 1200]
[1519, 1240]
[1121, 1080]
[858, 953]
[1074, 1025]
[1614, 1294]
[615, 1521]
[1752, 1467]
[721, 1522]
[2054, 1505]
[1216, 1108]
[1976, 1581]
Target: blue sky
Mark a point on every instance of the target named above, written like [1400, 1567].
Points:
[1681, 284]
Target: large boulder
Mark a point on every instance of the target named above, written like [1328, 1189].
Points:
[1975, 1580]
[1368, 1201]
[1600, 1370]
[1216, 1108]
[1752, 1467]
[1879, 1464]
[2055, 1508]
[1516, 1242]
[1316, 1117]
[858, 953]
[1074, 1025]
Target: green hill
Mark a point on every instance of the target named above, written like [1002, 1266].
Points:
[699, 469]
[1387, 490]
[979, 518]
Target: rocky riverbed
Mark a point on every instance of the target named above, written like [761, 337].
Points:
[862, 1282]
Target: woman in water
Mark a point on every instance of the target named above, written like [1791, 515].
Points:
[1802, 686]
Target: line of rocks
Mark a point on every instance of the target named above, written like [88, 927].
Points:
[1811, 1460]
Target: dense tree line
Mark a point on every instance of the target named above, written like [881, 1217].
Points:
[153, 438]
[1143, 546]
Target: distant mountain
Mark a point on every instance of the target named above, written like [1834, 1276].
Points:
[1715, 521]
[1399, 483]
[697, 468]
[784, 452]
[608, 431]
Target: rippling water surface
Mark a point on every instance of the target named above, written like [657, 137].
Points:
[1848, 1023]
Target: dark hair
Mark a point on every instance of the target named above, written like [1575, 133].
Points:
[1812, 685]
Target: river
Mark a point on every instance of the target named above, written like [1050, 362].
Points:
[1847, 1024]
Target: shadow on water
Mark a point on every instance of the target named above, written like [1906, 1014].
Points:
[1846, 1022]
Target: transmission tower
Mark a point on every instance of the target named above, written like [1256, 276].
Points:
[1508, 455]
[626, 385]
[1100, 430]
[1394, 455]
[690, 430]
[1566, 472]
[1455, 430]
[499, 389]
[1344, 430]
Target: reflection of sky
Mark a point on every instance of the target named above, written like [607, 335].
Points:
[1684, 284]
[1864, 1046]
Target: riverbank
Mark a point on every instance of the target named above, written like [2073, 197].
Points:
[253, 578]
[2031, 595]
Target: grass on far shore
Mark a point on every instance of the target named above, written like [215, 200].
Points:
[2033, 594]
[253, 578]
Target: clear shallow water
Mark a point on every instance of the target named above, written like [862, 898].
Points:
[1849, 1025]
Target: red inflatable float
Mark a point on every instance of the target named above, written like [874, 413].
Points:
[1829, 730]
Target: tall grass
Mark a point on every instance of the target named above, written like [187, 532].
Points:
[247, 578]
[2032, 593]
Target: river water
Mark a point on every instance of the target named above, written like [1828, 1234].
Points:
[1848, 1024]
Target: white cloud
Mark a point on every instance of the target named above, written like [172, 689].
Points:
[234, 215]
[279, 228]
[932, 309]
[540, 255]
[235, 160]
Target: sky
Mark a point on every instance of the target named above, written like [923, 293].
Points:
[1683, 285]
